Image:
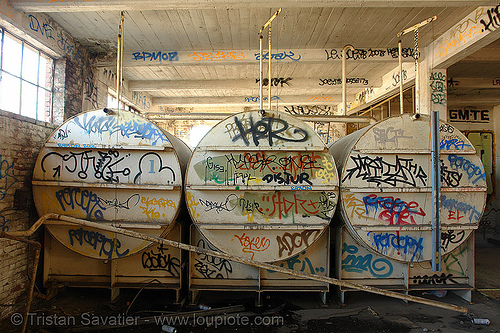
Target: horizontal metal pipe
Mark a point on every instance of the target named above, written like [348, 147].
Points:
[222, 116]
[263, 265]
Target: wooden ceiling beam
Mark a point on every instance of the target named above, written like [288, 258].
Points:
[127, 5]
[327, 56]
[250, 101]
[457, 83]
[328, 85]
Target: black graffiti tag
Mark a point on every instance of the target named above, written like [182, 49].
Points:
[275, 81]
[107, 247]
[153, 163]
[267, 128]
[161, 261]
[212, 267]
[494, 19]
[449, 177]
[450, 237]
[104, 166]
[434, 279]
[376, 170]
[310, 110]
[287, 178]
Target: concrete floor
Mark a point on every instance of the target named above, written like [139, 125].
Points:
[281, 312]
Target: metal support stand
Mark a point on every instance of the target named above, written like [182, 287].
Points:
[344, 77]
[263, 265]
[267, 24]
[415, 56]
[261, 76]
[400, 48]
[119, 62]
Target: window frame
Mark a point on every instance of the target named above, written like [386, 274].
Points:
[41, 87]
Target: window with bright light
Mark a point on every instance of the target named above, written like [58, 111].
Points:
[113, 104]
[26, 79]
[197, 133]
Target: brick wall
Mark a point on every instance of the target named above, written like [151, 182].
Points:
[73, 98]
[20, 141]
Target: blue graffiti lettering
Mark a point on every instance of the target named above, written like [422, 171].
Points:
[89, 202]
[137, 128]
[141, 100]
[63, 43]
[393, 211]
[278, 56]
[156, 56]
[44, 29]
[409, 245]
[3, 224]
[460, 162]
[301, 262]
[452, 204]
[7, 178]
[453, 144]
[256, 99]
[380, 268]
[301, 188]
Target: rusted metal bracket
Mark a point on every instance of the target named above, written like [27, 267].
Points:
[245, 261]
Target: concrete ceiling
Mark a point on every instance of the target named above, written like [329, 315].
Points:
[208, 48]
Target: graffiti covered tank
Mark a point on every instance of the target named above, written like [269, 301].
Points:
[115, 167]
[386, 195]
[261, 186]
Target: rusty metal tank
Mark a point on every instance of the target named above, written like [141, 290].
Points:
[114, 167]
[261, 185]
[386, 192]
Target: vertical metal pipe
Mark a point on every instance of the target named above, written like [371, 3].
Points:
[344, 79]
[328, 133]
[417, 75]
[436, 185]
[119, 61]
[400, 48]
[261, 76]
[270, 79]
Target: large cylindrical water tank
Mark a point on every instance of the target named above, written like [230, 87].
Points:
[114, 167]
[385, 187]
[261, 185]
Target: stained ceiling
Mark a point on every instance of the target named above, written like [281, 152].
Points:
[207, 51]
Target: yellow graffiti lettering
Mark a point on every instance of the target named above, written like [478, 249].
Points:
[152, 205]
[327, 171]
[354, 206]
[328, 176]
[216, 56]
[327, 164]
[463, 37]
[191, 203]
[462, 26]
